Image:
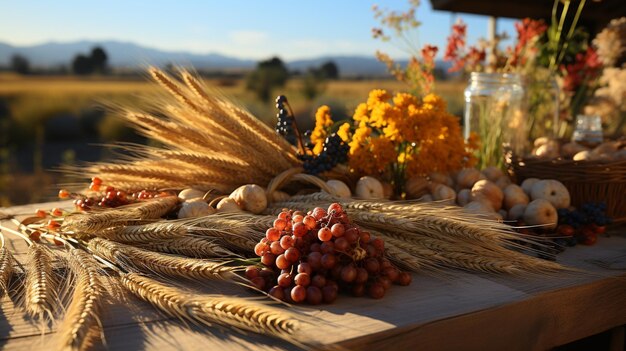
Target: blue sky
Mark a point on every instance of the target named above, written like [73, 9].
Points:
[246, 29]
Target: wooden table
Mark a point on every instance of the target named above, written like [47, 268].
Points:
[456, 312]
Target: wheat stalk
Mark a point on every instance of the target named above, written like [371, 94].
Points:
[146, 261]
[190, 247]
[81, 326]
[97, 221]
[240, 313]
[145, 233]
[6, 269]
[40, 284]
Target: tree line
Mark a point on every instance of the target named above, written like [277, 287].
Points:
[82, 64]
[267, 76]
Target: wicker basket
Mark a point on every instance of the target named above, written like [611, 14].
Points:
[587, 181]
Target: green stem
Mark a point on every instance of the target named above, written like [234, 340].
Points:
[570, 33]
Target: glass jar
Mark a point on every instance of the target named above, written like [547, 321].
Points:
[542, 105]
[494, 112]
[588, 130]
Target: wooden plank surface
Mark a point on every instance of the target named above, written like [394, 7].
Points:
[460, 311]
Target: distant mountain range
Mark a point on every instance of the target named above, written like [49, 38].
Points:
[125, 54]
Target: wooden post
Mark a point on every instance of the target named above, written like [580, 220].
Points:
[492, 28]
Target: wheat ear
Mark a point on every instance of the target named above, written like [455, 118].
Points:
[6, 269]
[144, 233]
[40, 284]
[81, 327]
[146, 261]
[191, 247]
[96, 221]
[243, 314]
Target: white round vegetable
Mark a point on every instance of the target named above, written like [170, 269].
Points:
[227, 205]
[369, 188]
[190, 194]
[541, 212]
[551, 190]
[195, 208]
[250, 197]
[339, 188]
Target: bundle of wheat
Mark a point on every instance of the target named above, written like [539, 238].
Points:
[210, 143]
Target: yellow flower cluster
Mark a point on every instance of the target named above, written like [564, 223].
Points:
[406, 134]
[322, 122]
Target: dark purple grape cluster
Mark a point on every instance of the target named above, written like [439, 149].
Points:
[588, 213]
[285, 123]
[335, 152]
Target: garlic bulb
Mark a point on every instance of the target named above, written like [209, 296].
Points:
[250, 197]
[227, 205]
[195, 208]
[339, 188]
[190, 194]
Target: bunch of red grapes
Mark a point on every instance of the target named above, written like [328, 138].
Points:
[105, 196]
[311, 257]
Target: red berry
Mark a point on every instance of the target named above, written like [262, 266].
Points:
[268, 259]
[304, 267]
[272, 234]
[329, 293]
[376, 291]
[298, 293]
[351, 235]
[404, 279]
[259, 249]
[338, 230]
[319, 213]
[313, 295]
[285, 280]
[297, 218]
[258, 282]
[303, 279]
[300, 229]
[286, 242]
[35, 236]
[361, 276]
[348, 273]
[327, 247]
[280, 224]
[319, 280]
[315, 260]
[335, 208]
[292, 254]
[282, 262]
[276, 249]
[358, 290]
[64, 194]
[310, 222]
[252, 272]
[365, 237]
[94, 187]
[328, 261]
[379, 244]
[96, 180]
[277, 292]
[41, 213]
[341, 244]
[57, 212]
[324, 234]
[52, 224]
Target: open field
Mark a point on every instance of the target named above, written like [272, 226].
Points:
[48, 121]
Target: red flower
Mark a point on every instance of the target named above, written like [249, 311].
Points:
[428, 54]
[586, 67]
[456, 41]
